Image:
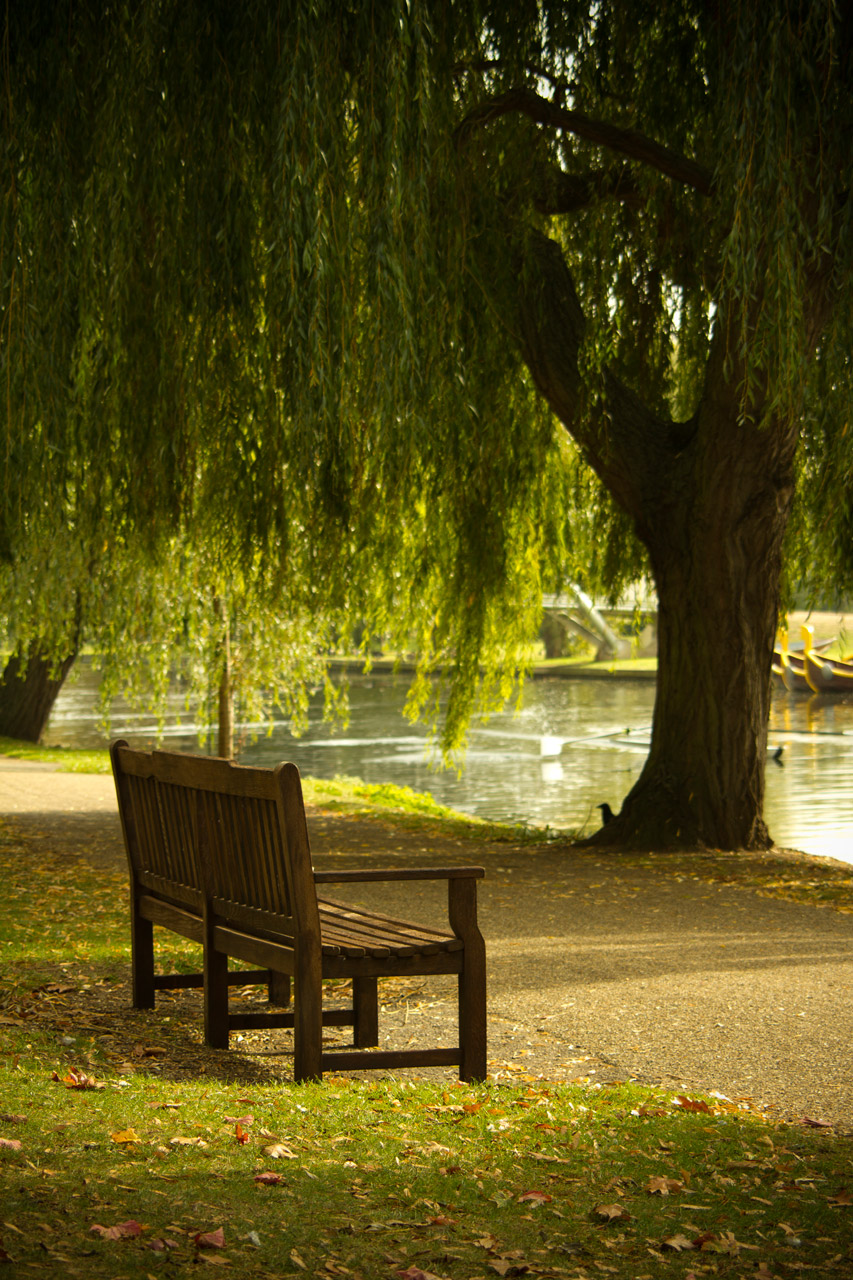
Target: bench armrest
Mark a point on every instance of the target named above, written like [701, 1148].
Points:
[399, 873]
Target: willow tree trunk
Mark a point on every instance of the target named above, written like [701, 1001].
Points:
[28, 690]
[710, 499]
[714, 530]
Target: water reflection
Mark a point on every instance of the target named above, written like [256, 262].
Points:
[574, 744]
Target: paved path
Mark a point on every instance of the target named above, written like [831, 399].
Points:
[597, 968]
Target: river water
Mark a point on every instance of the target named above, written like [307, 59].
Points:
[573, 744]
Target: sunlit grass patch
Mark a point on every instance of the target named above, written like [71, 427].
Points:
[354, 1178]
[415, 809]
[69, 759]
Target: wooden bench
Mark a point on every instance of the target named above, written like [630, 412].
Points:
[219, 853]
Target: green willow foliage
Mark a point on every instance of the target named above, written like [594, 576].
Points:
[258, 299]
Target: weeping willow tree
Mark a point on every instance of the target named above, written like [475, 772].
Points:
[391, 298]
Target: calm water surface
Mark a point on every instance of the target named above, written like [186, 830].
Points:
[574, 744]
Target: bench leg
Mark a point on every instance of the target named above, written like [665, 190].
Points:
[365, 1007]
[279, 988]
[308, 1015]
[142, 962]
[215, 998]
[472, 980]
[472, 1018]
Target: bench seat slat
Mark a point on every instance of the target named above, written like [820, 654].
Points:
[361, 931]
[407, 927]
[359, 942]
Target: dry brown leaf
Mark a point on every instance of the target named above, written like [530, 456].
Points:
[121, 1231]
[210, 1239]
[535, 1198]
[678, 1243]
[692, 1104]
[611, 1212]
[662, 1186]
[508, 1266]
[76, 1079]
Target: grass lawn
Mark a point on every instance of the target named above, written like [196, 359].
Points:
[120, 1158]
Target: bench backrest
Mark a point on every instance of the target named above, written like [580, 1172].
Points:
[199, 828]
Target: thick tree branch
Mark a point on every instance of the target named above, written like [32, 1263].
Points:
[632, 449]
[627, 142]
[556, 191]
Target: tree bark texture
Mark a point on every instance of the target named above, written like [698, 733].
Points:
[30, 686]
[710, 499]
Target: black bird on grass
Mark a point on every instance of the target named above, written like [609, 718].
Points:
[606, 813]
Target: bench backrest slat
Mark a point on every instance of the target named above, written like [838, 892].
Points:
[236, 835]
[158, 839]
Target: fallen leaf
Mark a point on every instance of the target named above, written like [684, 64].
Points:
[415, 1273]
[187, 1142]
[77, 1080]
[726, 1243]
[125, 1136]
[121, 1231]
[10, 1144]
[841, 1199]
[611, 1212]
[691, 1104]
[487, 1242]
[534, 1198]
[210, 1239]
[298, 1260]
[268, 1179]
[278, 1151]
[678, 1243]
[510, 1264]
[161, 1245]
[661, 1186]
[10, 1117]
[817, 1124]
[240, 1134]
